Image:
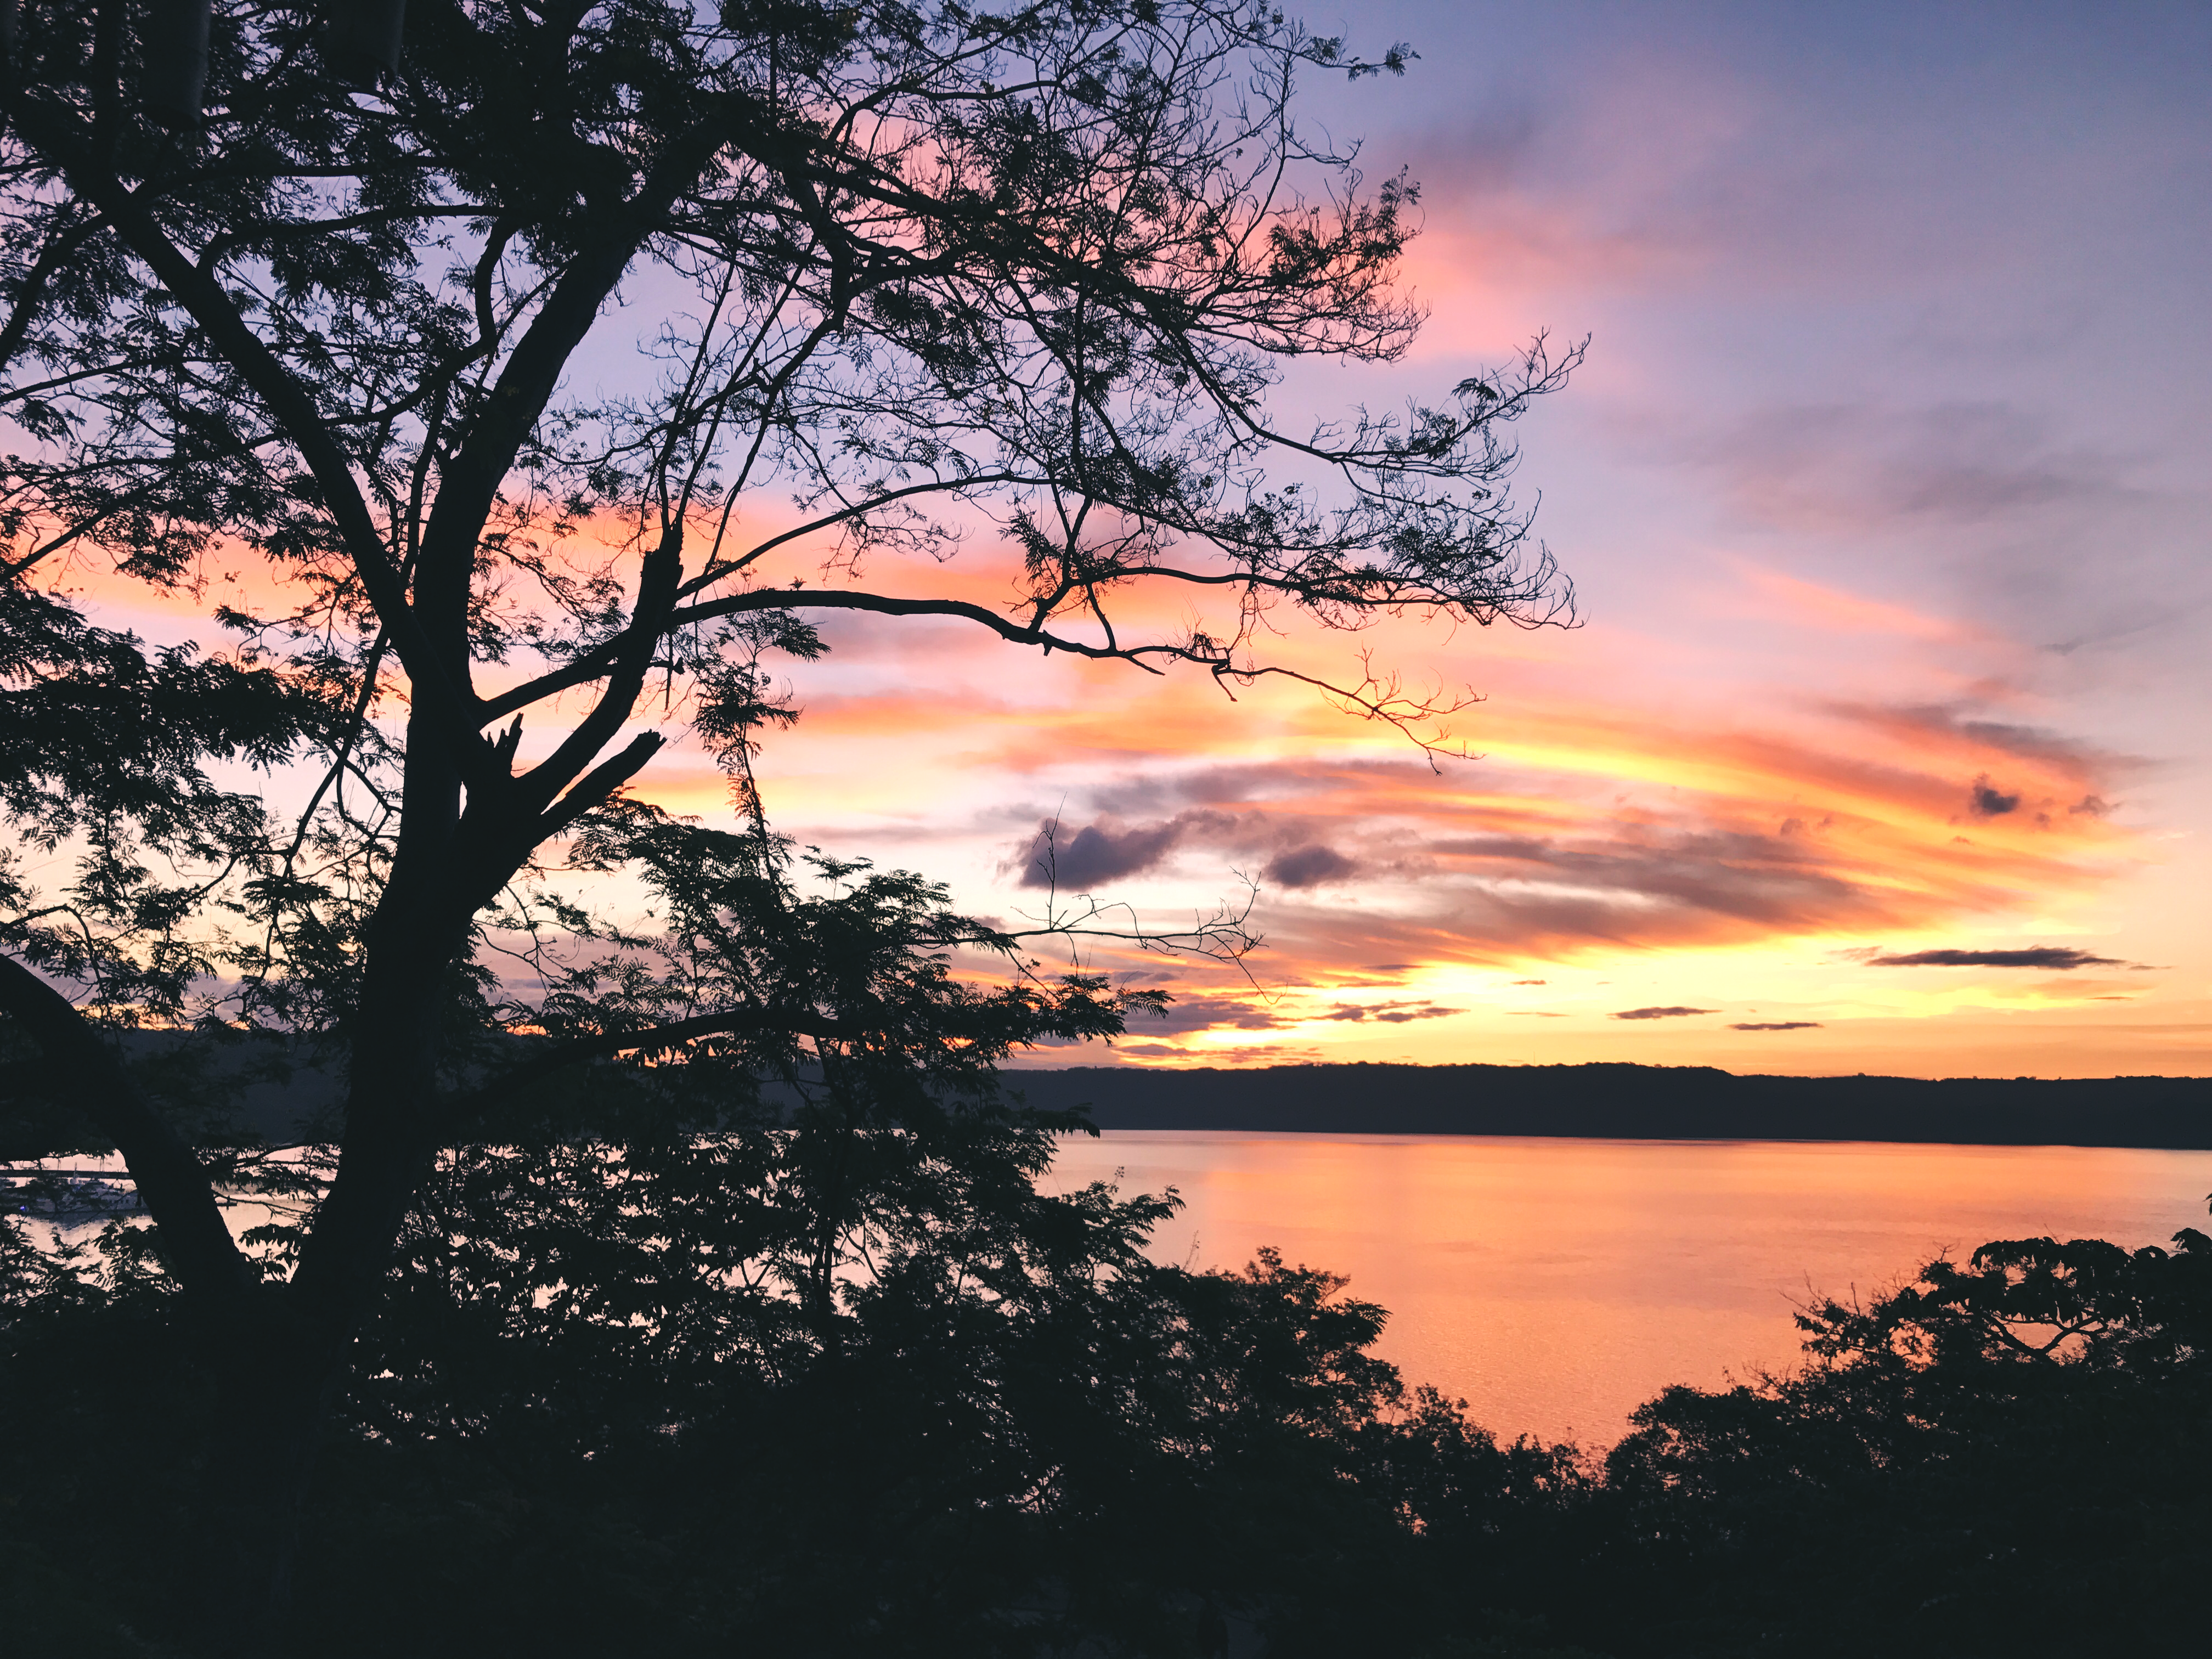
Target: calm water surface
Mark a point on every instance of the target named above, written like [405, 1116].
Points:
[1555, 1284]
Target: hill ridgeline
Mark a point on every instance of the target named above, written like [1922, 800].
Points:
[1628, 1102]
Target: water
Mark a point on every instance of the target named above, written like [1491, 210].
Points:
[1555, 1284]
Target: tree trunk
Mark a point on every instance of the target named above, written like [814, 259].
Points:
[419, 931]
[297, 1367]
[289, 1372]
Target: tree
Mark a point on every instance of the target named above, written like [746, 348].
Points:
[2001, 1451]
[936, 273]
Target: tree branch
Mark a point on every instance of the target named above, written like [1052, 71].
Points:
[52, 258]
[176, 1186]
[653, 1038]
[781, 599]
[199, 293]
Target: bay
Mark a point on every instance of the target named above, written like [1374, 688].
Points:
[1556, 1283]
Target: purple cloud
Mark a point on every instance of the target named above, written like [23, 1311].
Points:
[1309, 866]
[2063, 958]
[1988, 801]
[1391, 1013]
[1098, 853]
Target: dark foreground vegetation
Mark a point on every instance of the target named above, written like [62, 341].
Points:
[614, 1405]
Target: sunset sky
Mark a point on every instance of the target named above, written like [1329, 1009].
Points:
[1884, 490]
[1885, 494]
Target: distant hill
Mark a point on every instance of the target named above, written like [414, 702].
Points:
[1656, 1103]
[292, 1099]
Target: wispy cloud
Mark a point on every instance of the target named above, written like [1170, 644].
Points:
[1843, 467]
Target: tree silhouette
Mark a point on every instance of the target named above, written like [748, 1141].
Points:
[1020, 281]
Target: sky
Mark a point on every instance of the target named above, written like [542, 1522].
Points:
[1884, 490]
[1884, 743]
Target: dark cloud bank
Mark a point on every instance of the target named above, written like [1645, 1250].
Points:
[2062, 958]
[1468, 897]
[1097, 853]
[1391, 1013]
[1309, 866]
[1988, 801]
[1109, 851]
